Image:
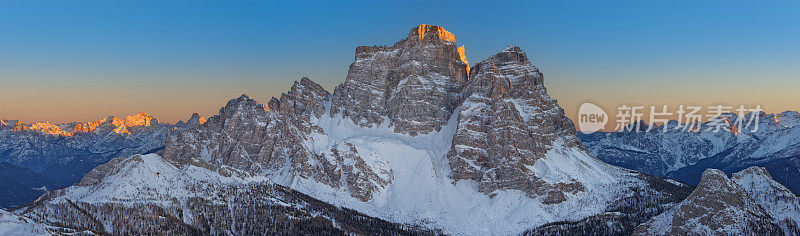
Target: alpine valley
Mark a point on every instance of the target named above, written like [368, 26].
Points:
[415, 141]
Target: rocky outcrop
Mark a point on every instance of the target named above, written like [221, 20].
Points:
[272, 141]
[506, 123]
[718, 206]
[780, 202]
[413, 84]
[304, 100]
[194, 120]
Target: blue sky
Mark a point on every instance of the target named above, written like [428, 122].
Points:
[82, 60]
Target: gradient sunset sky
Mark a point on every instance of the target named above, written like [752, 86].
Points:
[83, 60]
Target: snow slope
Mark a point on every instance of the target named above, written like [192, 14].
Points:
[11, 224]
[144, 194]
[423, 194]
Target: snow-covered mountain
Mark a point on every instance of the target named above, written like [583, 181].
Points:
[684, 155]
[144, 194]
[412, 136]
[750, 203]
[48, 156]
[12, 224]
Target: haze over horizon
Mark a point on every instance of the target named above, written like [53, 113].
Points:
[63, 62]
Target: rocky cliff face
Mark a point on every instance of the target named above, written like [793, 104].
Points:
[721, 206]
[413, 84]
[506, 123]
[270, 140]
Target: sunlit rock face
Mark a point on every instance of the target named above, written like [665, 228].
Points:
[414, 83]
[119, 126]
[506, 123]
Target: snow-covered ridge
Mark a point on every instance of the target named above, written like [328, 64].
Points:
[773, 145]
[147, 194]
[11, 224]
[749, 203]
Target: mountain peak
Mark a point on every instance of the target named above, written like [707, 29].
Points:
[717, 206]
[431, 31]
[196, 119]
[41, 127]
[753, 170]
[713, 176]
[243, 104]
[244, 97]
[141, 119]
[10, 123]
[512, 48]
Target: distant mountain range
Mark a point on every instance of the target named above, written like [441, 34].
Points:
[685, 155]
[37, 157]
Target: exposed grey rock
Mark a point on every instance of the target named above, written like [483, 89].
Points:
[304, 100]
[506, 123]
[718, 206]
[270, 141]
[414, 83]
